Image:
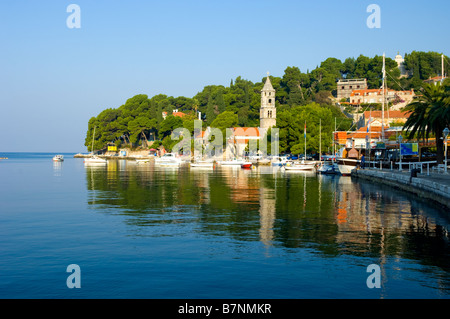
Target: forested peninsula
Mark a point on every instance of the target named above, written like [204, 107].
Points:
[300, 96]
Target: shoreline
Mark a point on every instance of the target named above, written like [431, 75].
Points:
[435, 187]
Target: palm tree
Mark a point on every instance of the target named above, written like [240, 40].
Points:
[430, 114]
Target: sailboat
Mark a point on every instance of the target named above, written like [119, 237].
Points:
[94, 159]
[302, 166]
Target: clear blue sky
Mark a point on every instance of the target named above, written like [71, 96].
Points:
[53, 79]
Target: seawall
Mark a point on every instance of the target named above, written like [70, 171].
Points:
[435, 187]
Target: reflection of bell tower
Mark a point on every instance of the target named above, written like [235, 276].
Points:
[268, 112]
[267, 204]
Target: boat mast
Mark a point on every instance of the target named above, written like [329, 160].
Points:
[320, 139]
[370, 131]
[382, 103]
[442, 72]
[92, 147]
[334, 140]
[305, 140]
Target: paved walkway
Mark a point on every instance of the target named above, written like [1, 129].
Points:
[443, 178]
[435, 186]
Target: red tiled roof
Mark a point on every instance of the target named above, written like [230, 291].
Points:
[392, 114]
[436, 78]
[372, 129]
[364, 134]
[246, 131]
[179, 114]
[362, 92]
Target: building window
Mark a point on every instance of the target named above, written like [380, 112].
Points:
[270, 101]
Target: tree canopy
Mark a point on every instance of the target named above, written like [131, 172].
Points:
[297, 94]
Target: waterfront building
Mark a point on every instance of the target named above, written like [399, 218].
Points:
[244, 136]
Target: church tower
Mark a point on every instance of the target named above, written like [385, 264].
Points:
[268, 112]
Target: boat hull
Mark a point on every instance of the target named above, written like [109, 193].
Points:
[229, 163]
[203, 165]
[346, 165]
[95, 161]
[300, 167]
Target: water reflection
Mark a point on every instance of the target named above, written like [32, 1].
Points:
[57, 166]
[333, 215]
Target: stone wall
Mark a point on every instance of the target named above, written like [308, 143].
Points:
[422, 186]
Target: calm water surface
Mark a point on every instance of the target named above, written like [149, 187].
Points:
[140, 231]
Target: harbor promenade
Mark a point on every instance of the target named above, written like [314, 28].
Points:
[432, 186]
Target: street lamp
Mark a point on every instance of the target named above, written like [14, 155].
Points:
[400, 138]
[445, 141]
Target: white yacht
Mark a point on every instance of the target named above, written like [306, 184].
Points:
[58, 158]
[302, 166]
[232, 162]
[168, 159]
[95, 160]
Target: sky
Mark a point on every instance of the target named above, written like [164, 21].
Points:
[53, 78]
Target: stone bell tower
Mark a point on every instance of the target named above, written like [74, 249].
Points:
[268, 112]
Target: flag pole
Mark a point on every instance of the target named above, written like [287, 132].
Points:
[320, 140]
[305, 140]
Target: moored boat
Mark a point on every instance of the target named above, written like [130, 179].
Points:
[232, 162]
[302, 166]
[346, 165]
[246, 165]
[95, 160]
[328, 168]
[168, 159]
[58, 158]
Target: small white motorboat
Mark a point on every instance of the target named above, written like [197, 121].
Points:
[328, 168]
[168, 159]
[301, 166]
[232, 162]
[58, 158]
[95, 160]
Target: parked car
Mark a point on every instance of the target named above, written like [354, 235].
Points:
[328, 158]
